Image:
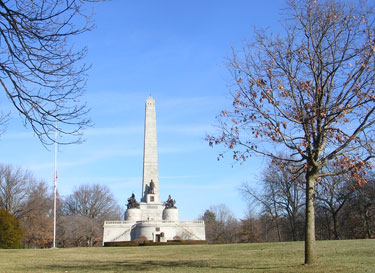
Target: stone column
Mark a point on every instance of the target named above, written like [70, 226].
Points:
[150, 155]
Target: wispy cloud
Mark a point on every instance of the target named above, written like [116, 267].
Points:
[17, 135]
[114, 131]
[88, 158]
[191, 186]
[133, 130]
[180, 177]
[185, 101]
[184, 105]
[184, 129]
[116, 101]
[116, 180]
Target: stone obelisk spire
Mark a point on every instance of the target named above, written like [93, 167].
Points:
[150, 156]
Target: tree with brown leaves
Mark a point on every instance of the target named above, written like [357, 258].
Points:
[307, 93]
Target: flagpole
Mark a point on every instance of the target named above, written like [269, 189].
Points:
[54, 189]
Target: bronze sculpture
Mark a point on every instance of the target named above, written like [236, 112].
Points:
[132, 202]
[152, 187]
[170, 203]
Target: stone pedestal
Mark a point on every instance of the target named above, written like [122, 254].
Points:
[133, 214]
[151, 198]
[157, 231]
[170, 214]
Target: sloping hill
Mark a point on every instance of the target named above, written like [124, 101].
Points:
[334, 256]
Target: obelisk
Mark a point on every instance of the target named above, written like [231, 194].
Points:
[150, 156]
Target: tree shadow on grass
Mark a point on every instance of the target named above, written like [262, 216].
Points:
[152, 265]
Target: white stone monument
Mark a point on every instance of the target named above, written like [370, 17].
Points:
[151, 218]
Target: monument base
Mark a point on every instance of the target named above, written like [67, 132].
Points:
[153, 230]
[154, 222]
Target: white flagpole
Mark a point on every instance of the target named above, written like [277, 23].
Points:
[54, 190]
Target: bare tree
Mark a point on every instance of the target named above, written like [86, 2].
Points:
[77, 230]
[221, 226]
[268, 201]
[331, 196]
[281, 196]
[30, 202]
[363, 204]
[93, 201]
[83, 214]
[41, 73]
[14, 189]
[36, 217]
[250, 231]
[308, 92]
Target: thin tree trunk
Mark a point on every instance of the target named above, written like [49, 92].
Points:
[328, 225]
[335, 226]
[278, 230]
[294, 231]
[368, 229]
[292, 225]
[310, 250]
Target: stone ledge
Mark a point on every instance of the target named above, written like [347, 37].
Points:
[195, 222]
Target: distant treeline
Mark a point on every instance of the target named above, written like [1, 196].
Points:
[343, 209]
[80, 215]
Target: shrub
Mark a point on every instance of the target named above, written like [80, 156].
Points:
[10, 230]
[126, 243]
[177, 238]
[141, 239]
[150, 243]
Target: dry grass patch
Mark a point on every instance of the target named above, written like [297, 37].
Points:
[334, 256]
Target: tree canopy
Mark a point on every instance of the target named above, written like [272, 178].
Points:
[307, 94]
[10, 230]
[93, 201]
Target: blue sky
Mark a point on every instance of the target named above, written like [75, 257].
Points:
[175, 51]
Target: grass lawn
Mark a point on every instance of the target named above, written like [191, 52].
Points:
[334, 256]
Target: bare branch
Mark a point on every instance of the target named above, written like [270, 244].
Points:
[43, 75]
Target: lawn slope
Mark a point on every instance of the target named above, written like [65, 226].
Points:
[334, 256]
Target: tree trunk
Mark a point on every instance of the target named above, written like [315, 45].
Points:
[278, 229]
[368, 229]
[292, 224]
[310, 250]
[335, 225]
[294, 231]
[328, 225]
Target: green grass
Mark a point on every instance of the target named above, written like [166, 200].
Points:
[334, 256]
